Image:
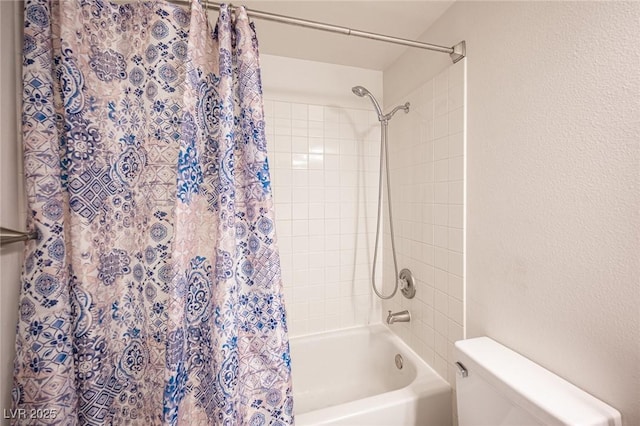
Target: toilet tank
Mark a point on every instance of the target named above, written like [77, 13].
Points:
[502, 387]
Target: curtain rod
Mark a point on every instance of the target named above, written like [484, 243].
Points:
[456, 52]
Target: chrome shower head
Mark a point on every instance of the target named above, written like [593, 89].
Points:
[361, 91]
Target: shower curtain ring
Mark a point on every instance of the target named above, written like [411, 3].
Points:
[232, 12]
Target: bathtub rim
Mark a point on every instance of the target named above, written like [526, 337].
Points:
[427, 382]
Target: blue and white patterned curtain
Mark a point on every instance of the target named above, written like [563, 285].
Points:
[153, 294]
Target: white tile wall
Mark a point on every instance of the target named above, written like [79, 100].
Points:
[427, 169]
[323, 162]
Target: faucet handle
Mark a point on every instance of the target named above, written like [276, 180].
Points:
[403, 283]
[407, 284]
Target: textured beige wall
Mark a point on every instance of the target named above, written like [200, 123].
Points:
[553, 155]
[11, 212]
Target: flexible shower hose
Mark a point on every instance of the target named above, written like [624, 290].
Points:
[384, 164]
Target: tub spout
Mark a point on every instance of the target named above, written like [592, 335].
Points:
[403, 316]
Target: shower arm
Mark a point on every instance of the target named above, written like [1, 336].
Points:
[388, 116]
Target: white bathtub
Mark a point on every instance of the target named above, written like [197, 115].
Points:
[349, 377]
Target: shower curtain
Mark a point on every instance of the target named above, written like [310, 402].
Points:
[153, 294]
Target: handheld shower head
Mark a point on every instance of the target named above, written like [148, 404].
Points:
[361, 91]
